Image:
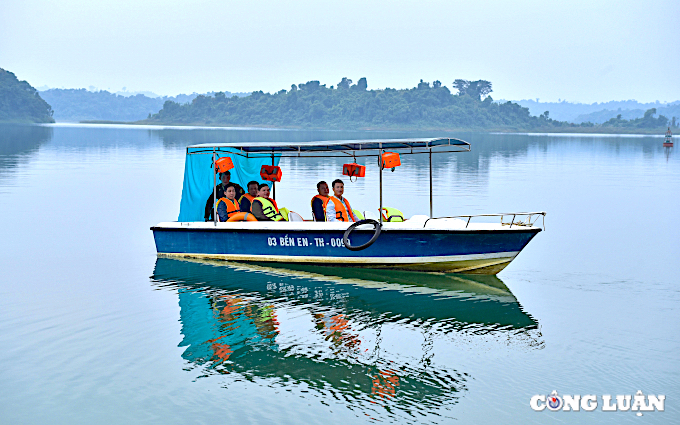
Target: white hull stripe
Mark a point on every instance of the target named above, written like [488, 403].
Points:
[352, 260]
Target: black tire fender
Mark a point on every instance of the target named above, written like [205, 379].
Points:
[377, 229]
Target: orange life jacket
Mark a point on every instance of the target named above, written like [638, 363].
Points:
[248, 196]
[232, 207]
[324, 200]
[343, 210]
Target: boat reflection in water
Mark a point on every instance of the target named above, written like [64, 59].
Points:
[363, 336]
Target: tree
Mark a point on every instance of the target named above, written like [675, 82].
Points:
[310, 86]
[361, 85]
[423, 85]
[479, 88]
[436, 84]
[344, 84]
[461, 86]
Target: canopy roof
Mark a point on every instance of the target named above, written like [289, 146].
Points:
[333, 146]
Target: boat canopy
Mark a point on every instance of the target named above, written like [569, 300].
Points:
[333, 147]
[249, 157]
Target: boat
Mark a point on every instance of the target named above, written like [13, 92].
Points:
[668, 140]
[451, 244]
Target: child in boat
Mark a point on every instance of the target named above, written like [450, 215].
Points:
[227, 206]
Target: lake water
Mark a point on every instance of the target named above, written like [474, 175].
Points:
[95, 329]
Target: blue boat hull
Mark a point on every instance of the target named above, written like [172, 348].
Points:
[461, 251]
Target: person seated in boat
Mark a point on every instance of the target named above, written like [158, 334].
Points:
[227, 206]
[263, 207]
[319, 200]
[246, 200]
[225, 179]
[336, 207]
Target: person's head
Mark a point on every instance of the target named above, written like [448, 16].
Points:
[253, 187]
[322, 188]
[225, 177]
[263, 190]
[338, 187]
[230, 191]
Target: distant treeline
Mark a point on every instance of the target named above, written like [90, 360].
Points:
[598, 113]
[671, 111]
[20, 102]
[647, 121]
[354, 106]
[76, 105]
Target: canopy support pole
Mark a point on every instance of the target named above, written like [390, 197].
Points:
[273, 183]
[431, 215]
[214, 190]
[380, 164]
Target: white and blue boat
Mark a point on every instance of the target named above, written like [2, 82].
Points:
[453, 244]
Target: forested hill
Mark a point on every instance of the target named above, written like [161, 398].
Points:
[354, 106]
[75, 105]
[19, 102]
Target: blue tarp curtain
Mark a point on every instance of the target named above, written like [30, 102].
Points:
[198, 179]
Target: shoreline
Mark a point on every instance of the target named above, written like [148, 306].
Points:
[541, 130]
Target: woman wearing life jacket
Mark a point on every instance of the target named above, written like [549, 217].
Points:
[247, 199]
[264, 208]
[336, 207]
[319, 200]
[227, 206]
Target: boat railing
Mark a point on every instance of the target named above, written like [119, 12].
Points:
[519, 219]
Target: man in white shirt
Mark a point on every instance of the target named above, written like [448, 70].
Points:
[337, 207]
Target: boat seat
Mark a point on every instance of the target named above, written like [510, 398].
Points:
[284, 213]
[392, 215]
[293, 216]
[370, 215]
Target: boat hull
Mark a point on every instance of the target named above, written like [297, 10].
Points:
[456, 251]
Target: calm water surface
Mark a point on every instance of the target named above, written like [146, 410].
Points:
[95, 329]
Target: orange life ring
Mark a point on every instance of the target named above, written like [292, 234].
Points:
[242, 216]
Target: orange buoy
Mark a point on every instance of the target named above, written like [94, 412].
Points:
[223, 164]
[270, 173]
[353, 170]
[242, 216]
[390, 160]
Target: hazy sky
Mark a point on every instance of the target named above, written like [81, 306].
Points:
[583, 51]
